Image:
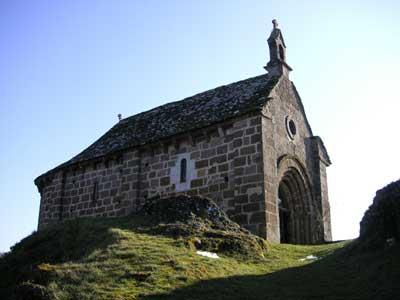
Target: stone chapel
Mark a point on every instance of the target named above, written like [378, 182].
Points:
[246, 145]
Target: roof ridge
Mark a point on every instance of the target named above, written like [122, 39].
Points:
[195, 95]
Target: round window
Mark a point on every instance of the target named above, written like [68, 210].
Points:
[291, 127]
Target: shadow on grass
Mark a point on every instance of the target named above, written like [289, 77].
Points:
[345, 274]
[341, 275]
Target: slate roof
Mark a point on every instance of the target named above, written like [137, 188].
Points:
[195, 112]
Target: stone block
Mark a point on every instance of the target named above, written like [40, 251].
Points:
[165, 181]
[239, 161]
[214, 188]
[195, 155]
[256, 198]
[241, 199]
[248, 150]
[246, 188]
[270, 207]
[201, 164]
[223, 167]
[238, 181]
[256, 138]
[240, 219]
[228, 194]
[223, 186]
[218, 159]
[250, 131]
[250, 169]
[237, 143]
[208, 153]
[104, 194]
[196, 183]
[255, 121]
[212, 170]
[251, 207]
[222, 149]
[253, 178]
[257, 217]
[238, 171]
[125, 187]
[201, 173]
[233, 154]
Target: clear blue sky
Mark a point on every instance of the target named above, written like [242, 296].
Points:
[67, 68]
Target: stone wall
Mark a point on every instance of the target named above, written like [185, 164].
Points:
[238, 163]
[223, 162]
[318, 163]
[100, 188]
[280, 142]
[50, 196]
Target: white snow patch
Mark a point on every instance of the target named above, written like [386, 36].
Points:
[207, 254]
[308, 257]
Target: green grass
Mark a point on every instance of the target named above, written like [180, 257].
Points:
[119, 259]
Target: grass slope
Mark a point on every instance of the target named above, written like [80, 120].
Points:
[119, 259]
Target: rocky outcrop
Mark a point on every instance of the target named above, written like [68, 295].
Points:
[202, 224]
[381, 222]
[189, 209]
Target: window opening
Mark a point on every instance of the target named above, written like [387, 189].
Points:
[183, 170]
[281, 53]
[95, 194]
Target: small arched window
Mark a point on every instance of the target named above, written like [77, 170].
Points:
[183, 170]
[95, 193]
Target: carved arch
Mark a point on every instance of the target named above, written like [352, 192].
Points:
[295, 201]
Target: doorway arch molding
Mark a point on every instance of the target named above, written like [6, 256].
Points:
[287, 162]
[294, 195]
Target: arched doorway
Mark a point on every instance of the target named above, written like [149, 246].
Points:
[294, 202]
[284, 214]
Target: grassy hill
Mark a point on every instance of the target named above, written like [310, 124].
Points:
[121, 259]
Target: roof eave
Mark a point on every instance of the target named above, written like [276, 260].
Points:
[67, 164]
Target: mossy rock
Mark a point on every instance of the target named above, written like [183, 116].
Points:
[202, 224]
[184, 209]
[380, 225]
